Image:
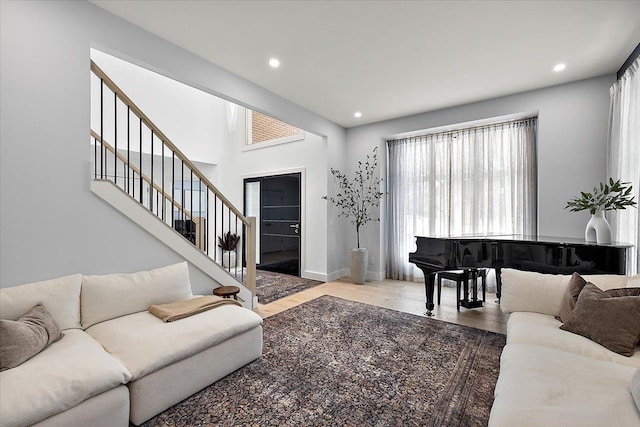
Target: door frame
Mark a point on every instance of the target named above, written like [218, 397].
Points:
[303, 206]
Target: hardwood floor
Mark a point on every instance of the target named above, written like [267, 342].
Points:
[408, 297]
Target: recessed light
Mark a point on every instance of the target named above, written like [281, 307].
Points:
[559, 67]
[274, 63]
[357, 114]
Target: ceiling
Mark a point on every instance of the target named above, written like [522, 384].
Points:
[390, 59]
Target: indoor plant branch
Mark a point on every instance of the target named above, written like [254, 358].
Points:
[357, 197]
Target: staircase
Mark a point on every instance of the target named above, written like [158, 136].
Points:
[138, 170]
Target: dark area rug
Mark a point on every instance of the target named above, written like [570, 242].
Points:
[333, 362]
[271, 286]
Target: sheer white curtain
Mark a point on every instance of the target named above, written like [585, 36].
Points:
[624, 156]
[474, 181]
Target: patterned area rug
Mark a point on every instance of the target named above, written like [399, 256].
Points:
[272, 286]
[333, 362]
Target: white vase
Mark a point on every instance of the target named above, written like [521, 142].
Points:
[598, 230]
[229, 259]
[358, 264]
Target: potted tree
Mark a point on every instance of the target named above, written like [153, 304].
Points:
[228, 243]
[605, 197]
[356, 199]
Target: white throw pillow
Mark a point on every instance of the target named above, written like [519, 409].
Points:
[61, 297]
[113, 295]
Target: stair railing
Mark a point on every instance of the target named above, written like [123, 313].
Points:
[133, 153]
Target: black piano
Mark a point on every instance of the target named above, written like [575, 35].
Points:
[556, 255]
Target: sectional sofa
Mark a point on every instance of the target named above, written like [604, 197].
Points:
[554, 377]
[116, 362]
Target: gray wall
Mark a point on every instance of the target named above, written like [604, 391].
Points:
[50, 222]
[572, 138]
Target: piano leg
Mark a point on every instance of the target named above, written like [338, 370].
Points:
[429, 282]
[498, 284]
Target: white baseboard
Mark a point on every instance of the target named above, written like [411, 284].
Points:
[372, 276]
[314, 275]
[335, 275]
[376, 276]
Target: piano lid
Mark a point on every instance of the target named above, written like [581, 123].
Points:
[529, 239]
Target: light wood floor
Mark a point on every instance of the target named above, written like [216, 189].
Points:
[408, 297]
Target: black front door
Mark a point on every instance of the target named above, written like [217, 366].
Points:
[275, 202]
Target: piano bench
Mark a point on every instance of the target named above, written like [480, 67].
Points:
[462, 278]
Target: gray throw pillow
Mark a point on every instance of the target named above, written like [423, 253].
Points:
[607, 318]
[22, 339]
[635, 388]
[576, 283]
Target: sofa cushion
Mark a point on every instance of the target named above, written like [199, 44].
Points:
[144, 343]
[113, 295]
[541, 387]
[68, 372]
[61, 297]
[22, 339]
[543, 293]
[613, 321]
[544, 330]
[576, 283]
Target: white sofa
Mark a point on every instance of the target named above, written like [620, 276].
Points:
[552, 377]
[117, 362]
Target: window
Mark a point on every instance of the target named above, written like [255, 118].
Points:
[265, 130]
[472, 181]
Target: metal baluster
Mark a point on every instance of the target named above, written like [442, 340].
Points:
[173, 188]
[215, 224]
[182, 213]
[243, 262]
[206, 240]
[115, 138]
[95, 158]
[128, 148]
[191, 205]
[163, 199]
[151, 185]
[101, 127]
[200, 211]
[141, 170]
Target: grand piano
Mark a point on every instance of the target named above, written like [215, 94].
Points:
[556, 255]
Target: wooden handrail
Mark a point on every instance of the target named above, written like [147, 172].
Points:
[143, 176]
[164, 139]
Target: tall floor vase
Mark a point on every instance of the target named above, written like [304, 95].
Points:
[598, 229]
[358, 264]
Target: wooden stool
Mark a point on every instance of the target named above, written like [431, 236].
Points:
[462, 278]
[227, 292]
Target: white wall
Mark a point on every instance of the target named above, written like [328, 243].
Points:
[50, 222]
[572, 135]
[308, 156]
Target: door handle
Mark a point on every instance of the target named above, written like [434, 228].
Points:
[296, 226]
